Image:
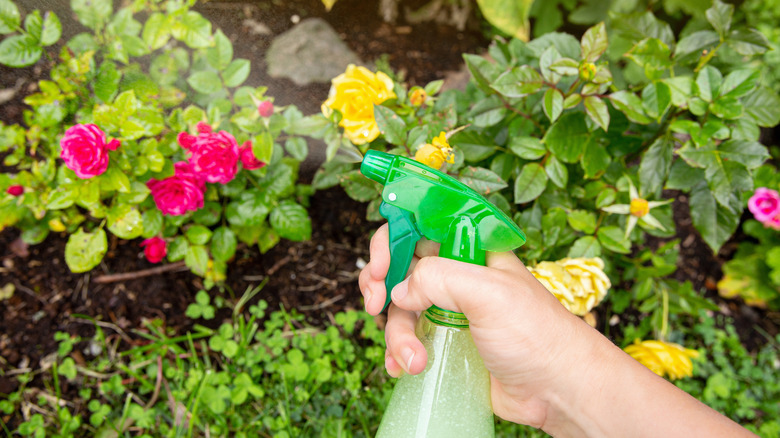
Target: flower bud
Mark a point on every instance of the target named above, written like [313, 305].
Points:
[265, 108]
[418, 97]
[587, 71]
[16, 190]
[154, 249]
[639, 207]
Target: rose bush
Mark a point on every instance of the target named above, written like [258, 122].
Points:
[151, 148]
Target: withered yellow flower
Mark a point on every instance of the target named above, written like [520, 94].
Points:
[418, 96]
[580, 284]
[639, 207]
[354, 94]
[663, 358]
[435, 153]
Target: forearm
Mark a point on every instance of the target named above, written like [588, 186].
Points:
[611, 394]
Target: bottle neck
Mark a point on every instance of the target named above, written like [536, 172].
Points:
[446, 318]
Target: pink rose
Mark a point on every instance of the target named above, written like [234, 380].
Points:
[180, 193]
[248, 159]
[214, 155]
[15, 190]
[154, 249]
[765, 205]
[265, 108]
[85, 150]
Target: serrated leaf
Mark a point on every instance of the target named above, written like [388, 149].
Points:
[529, 148]
[582, 220]
[92, 13]
[156, 31]
[629, 104]
[482, 180]
[192, 29]
[567, 137]
[714, 224]
[291, 221]
[587, 246]
[10, 19]
[359, 187]
[223, 244]
[719, 16]
[482, 70]
[198, 234]
[656, 99]
[553, 104]
[597, 110]
[509, 16]
[594, 42]
[531, 183]
[205, 82]
[681, 88]
[614, 239]
[763, 106]
[221, 53]
[390, 124]
[20, 51]
[595, 159]
[52, 29]
[708, 83]
[84, 250]
[692, 45]
[237, 72]
[196, 257]
[475, 145]
[125, 222]
[751, 154]
[518, 82]
[557, 172]
[107, 81]
[297, 148]
[748, 42]
[655, 165]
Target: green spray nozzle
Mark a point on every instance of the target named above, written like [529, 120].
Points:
[420, 201]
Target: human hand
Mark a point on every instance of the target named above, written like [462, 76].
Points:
[527, 340]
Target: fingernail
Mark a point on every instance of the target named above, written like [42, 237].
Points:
[399, 291]
[367, 297]
[408, 355]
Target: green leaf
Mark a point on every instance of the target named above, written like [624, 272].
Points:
[223, 244]
[719, 16]
[220, 55]
[20, 51]
[475, 145]
[198, 234]
[114, 179]
[708, 82]
[557, 172]
[84, 250]
[509, 16]
[192, 29]
[582, 220]
[715, 224]
[483, 71]
[681, 88]
[748, 42]
[152, 223]
[390, 124]
[763, 107]
[10, 19]
[482, 180]
[360, 188]
[629, 104]
[52, 28]
[177, 249]
[594, 42]
[751, 154]
[587, 246]
[740, 82]
[291, 221]
[530, 183]
[92, 13]
[156, 31]
[107, 82]
[518, 82]
[125, 222]
[595, 160]
[653, 55]
[567, 137]
[237, 72]
[196, 258]
[297, 147]
[656, 99]
[655, 165]
[263, 147]
[614, 239]
[205, 82]
[553, 104]
[267, 239]
[250, 210]
[692, 45]
[597, 110]
[61, 198]
[529, 148]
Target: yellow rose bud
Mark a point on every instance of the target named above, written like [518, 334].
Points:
[639, 207]
[354, 94]
[418, 97]
[663, 358]
[56, 225]
[587, 71]
[580, 284]
[431, 156]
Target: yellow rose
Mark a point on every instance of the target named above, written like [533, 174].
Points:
[418, 97]
[639, 207]
[580, 284]
[354, 94]
[663, 358]
[436, 153]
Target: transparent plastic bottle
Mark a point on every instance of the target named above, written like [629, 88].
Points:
[451, 398]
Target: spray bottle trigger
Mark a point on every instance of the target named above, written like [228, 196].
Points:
[403, 239]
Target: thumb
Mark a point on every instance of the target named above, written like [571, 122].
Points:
[474, 290]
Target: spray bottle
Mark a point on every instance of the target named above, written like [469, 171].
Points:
[451, 397]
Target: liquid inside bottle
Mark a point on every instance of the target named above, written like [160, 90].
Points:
[451, 398]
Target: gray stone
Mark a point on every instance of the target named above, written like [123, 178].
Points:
[308, 53]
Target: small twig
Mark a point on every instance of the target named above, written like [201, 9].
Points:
[323, 304]
[157, 384]
[113, 278]
[283, 261]
[104, 324]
